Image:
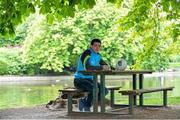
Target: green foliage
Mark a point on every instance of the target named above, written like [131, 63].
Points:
[154, 36]
[174, 62]
[9, 42]
[3, 68]
[21, 33]
[13, 12]
[11, 63]
[59, 45]
[148, 32]
[44, 48]
[142, 9]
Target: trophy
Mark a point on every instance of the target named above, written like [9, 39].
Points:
[121, 64]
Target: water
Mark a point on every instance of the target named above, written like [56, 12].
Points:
[34, 92]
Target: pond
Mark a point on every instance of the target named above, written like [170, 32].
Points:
[37, 92]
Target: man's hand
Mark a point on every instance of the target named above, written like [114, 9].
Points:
[106, 67]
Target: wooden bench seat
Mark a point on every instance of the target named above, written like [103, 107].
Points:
[132, 93]
[70, 93]
[76, 93]
[112, 90]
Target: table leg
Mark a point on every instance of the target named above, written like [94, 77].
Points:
[141, 78]
[102, 92]
[95, 94]
[134, 86]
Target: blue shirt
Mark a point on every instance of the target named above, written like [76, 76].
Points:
[89, 60]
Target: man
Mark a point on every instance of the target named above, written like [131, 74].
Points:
[90, 59]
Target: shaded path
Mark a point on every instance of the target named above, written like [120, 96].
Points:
[40, 112]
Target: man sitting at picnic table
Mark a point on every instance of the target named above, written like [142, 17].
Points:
[90, 59]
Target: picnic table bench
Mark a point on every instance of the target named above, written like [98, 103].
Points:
[138, 92]
[102, 79]
[77, 93]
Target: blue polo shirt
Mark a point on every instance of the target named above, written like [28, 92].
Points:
[89, 60]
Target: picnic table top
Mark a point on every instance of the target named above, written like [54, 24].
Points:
[116, 72]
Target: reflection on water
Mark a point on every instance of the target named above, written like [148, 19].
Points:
[18, 94]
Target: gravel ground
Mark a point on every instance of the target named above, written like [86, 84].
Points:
[40, 112]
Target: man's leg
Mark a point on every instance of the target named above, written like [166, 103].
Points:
[87, 85]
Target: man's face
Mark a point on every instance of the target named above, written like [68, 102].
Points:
[96, 46]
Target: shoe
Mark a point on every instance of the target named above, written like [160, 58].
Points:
[81, 104]
[87, 109]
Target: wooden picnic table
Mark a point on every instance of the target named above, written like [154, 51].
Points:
[102, 74]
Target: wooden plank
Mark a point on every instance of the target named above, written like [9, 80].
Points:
[102, 93]
[141, 79]
[95, 94]
[71, 90]
[154, 89]
[69, 103]
[76, 93]
[165, 97]
[74, 90]
[112, 98]
[116, 72]
[131, 104]
[113, 87]
[134, 87]
[138, 92]
[132, 72]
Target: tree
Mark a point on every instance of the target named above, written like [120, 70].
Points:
[57, 45]
[72, 35]
[155, 24]
[158, 18]
[13, 12]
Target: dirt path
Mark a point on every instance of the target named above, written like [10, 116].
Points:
[40, 112]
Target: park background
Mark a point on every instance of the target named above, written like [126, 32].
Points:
[40, 42]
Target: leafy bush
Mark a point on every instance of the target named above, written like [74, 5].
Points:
[59, 45]
[11, 63]
[3, 68]
[21, 33]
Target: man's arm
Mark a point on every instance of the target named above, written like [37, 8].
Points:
[89, 67]
[85, 58]
[85, 61]
[102, 62]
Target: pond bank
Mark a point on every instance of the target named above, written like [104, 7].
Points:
[70, 77]
[40, 112]
[19, 91]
